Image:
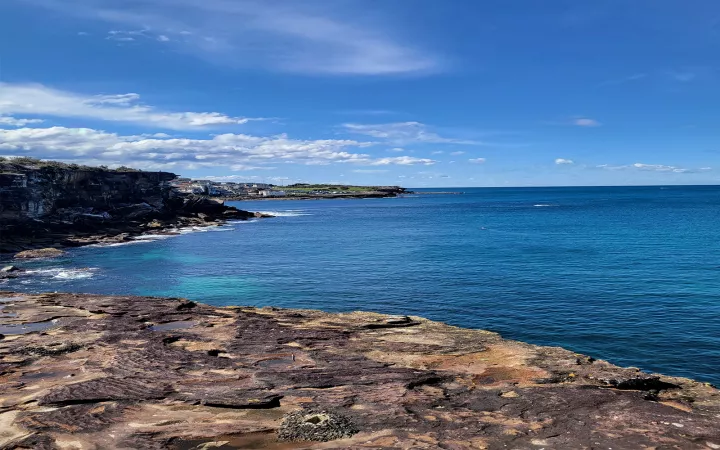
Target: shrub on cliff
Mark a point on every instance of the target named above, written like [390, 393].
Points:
[35, 163]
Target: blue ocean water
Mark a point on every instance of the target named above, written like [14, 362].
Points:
[628, 274]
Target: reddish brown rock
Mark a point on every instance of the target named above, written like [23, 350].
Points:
[152, 373]
[40, 253]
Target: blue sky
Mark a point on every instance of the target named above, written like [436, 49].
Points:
[416, 93]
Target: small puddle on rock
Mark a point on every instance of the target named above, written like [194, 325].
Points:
[257, 440]
[180, 325]
[25, 328]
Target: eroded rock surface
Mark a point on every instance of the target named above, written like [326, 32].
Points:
[116, 372]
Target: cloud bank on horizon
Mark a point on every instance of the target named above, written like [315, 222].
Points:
[484, 94]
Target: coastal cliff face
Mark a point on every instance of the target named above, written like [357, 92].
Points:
[46, 204]
[35, 192]
[121, 372]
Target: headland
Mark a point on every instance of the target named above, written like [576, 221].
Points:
[47, 204]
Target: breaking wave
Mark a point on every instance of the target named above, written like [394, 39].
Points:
[64, 273]
[287, 213]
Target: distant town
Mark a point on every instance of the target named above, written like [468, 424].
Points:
[253, 191]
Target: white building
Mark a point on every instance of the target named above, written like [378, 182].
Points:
[271, 193]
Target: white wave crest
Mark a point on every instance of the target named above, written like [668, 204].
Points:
[287, 213]
[152, 237]
[542, 205]
[222, 228]
[59, 273]
[118, 244]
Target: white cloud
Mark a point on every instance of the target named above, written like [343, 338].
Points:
[584, 122]
[234, 151]
[113, 99]
[402, 161]
[618, 81]
[370, 170]
[437, 152]
[403, 133]
[163, 38]
[564, 161]
[36, 99]
[457, 153]
[653, 168]
[396, 149]
[14, 122]
[243, 167]
[477, 160]
[242, 178]
[682, 77]
[308, 37]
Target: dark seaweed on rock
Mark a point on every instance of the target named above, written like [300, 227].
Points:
[316, 425]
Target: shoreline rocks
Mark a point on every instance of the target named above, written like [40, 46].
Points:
[72, 228]
[146, 372]
[39, 253]
[46, 204]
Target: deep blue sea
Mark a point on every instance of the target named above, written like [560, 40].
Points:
[627, 274]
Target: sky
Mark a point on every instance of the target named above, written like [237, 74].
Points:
[415, 93]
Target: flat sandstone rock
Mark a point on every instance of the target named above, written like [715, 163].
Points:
[40, 253]
[99, 372]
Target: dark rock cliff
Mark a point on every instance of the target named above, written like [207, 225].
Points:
[35, 192]
[47, 204]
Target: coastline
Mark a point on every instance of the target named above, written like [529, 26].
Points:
[119, 225]
[311, 197]
[334, 197]
[142, 372]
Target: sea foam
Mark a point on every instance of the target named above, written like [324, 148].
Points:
[287, 213]
[59, 273]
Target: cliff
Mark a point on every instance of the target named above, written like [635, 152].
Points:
[37, 190]
[104, 372]
[49, 204]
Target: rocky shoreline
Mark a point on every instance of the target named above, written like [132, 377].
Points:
[121, 372]
[48, 204]
[78, 227]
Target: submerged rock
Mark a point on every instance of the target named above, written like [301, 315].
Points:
[40, 253]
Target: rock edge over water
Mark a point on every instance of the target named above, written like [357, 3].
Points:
[46, 205]
[103, 375]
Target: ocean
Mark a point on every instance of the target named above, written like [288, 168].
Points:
[627, 274]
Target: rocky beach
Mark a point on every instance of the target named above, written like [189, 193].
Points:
[122, 372]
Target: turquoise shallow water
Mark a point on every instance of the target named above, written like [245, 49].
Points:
[631, 275]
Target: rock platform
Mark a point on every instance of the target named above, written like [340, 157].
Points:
[82, 371]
